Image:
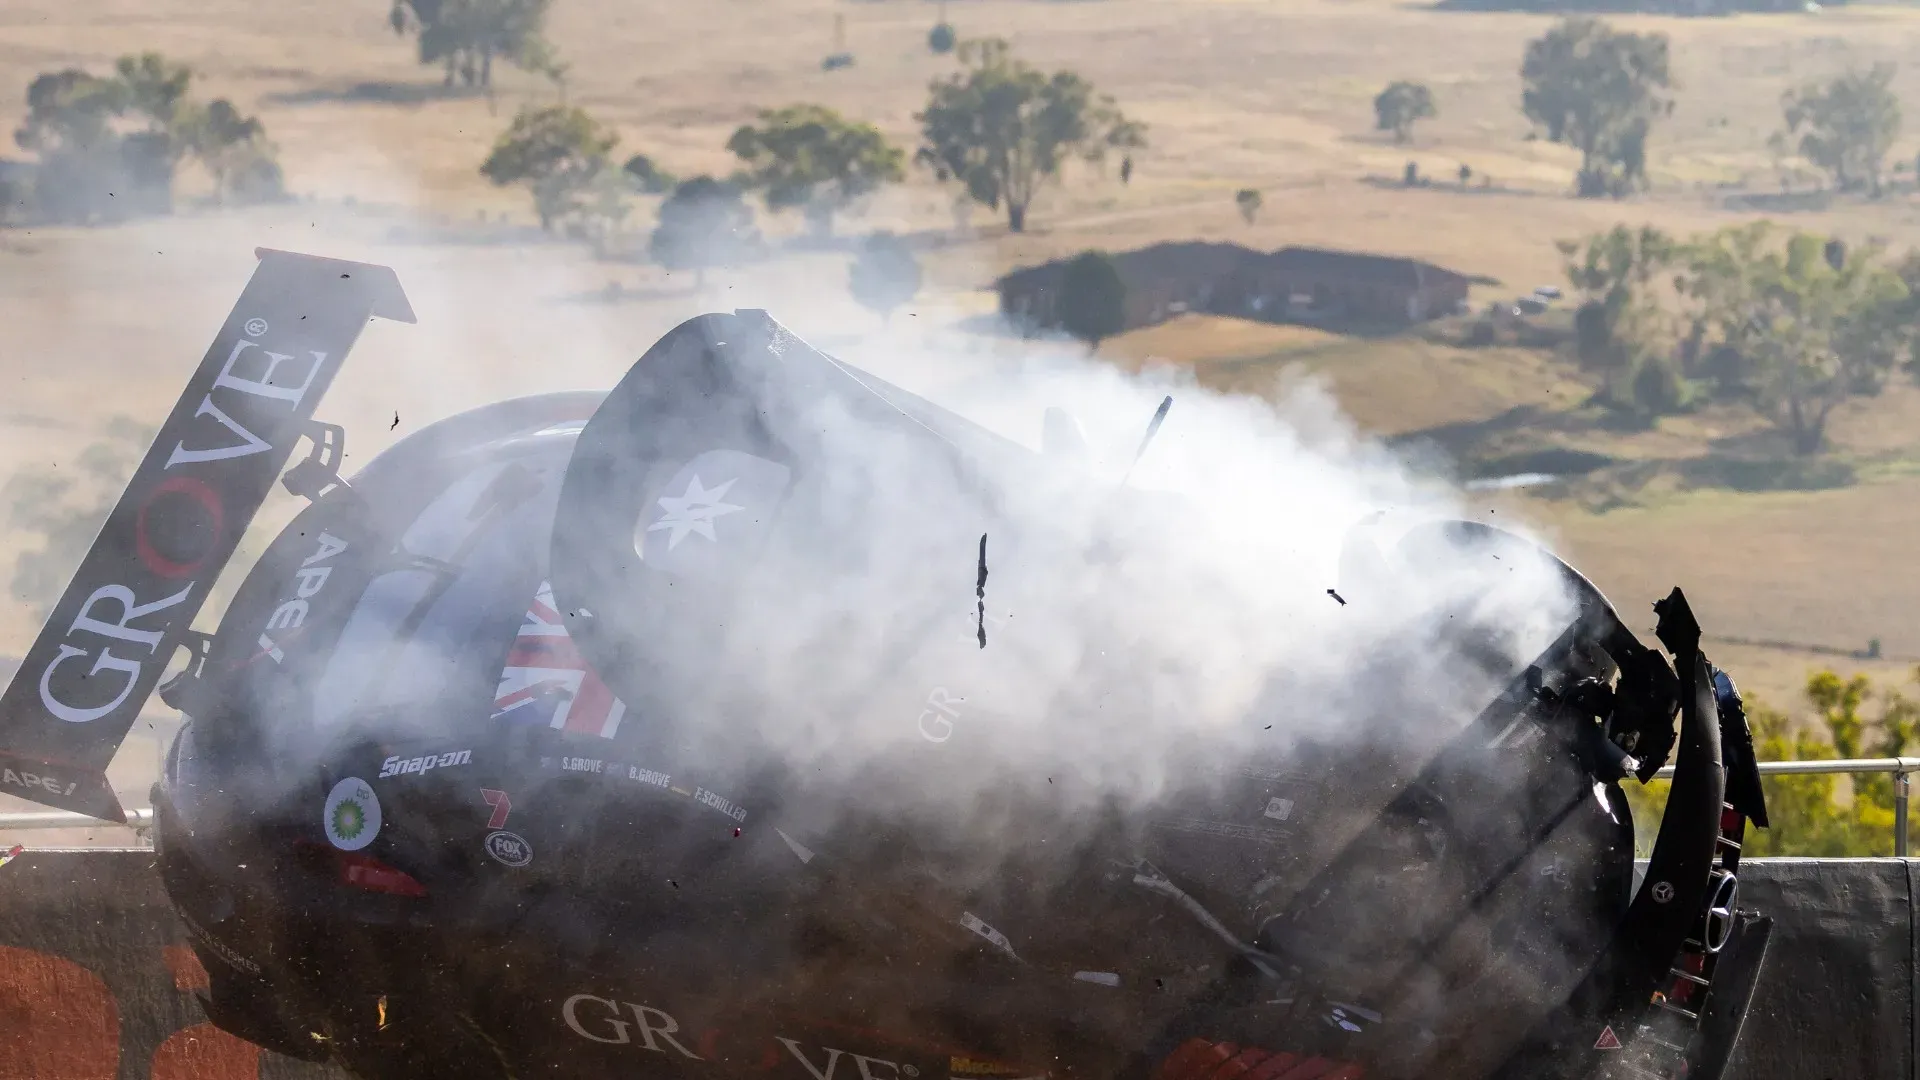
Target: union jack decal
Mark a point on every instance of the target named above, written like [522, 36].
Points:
[547, 682]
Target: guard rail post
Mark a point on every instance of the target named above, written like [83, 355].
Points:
[1901, 788]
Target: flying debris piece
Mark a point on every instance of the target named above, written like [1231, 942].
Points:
[1153, 428]
[999, 940]
[1337, 596]
[1350, 1017]
[980, 593]
[437, 603]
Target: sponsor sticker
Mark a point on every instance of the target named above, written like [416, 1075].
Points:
[649, 776]
[404, 766]
[980, 1069]
[12, 853]
[1222, 829]
[308, 581]
[52, 785]
[707, 798]
[219, 949]
[937, 719]
[352, 815]
[501, 804]
[509, 849]
[1279, 809]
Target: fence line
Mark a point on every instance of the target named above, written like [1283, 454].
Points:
[1900, 767]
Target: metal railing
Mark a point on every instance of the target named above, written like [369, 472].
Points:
[1900, 767]
[141, 821]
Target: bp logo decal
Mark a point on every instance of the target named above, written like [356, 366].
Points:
[352, 817]
[509, 848]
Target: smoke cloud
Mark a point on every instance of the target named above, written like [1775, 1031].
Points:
[1203, 603]
[1257, 596]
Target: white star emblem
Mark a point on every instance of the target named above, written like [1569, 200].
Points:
[693, 512]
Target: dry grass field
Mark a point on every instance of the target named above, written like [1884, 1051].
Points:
[1273, 94]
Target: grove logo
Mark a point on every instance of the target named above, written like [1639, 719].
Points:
[352, 815]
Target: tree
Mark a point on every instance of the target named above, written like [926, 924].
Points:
[1599, 91]
[1619, 328]
[703, 224]
[1093, 299]
[811, 158]
[600, 215]
[70, 112]
[1399, 106]
[884, 275]
[466, 35]
[557, 152]
[1847, 126]
[1791, 331]
[110, 146]
[1248, 200]
[155, 89]
[69, 124]
[235, 151]
[1806, 816]
[647, 175]
[1001, 128]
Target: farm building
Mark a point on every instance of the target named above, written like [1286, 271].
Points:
[1293, 284]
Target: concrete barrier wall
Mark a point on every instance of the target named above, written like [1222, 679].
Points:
[97, 981]
[1836, 1000]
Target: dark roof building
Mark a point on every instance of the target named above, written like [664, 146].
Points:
[1293, 284]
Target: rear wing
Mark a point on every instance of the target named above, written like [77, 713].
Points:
[134, 598]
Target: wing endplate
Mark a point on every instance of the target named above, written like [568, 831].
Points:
[110, 637]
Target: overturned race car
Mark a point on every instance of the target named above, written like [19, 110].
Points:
[501, 764]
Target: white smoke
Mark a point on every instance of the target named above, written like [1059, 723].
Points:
[1218, 608]
[1216, 582]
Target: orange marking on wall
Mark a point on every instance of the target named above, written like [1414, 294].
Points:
[58, 1021]
[204, 1052]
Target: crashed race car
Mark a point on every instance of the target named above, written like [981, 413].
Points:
[502, 763]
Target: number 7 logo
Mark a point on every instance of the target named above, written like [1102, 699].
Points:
[502, 806]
